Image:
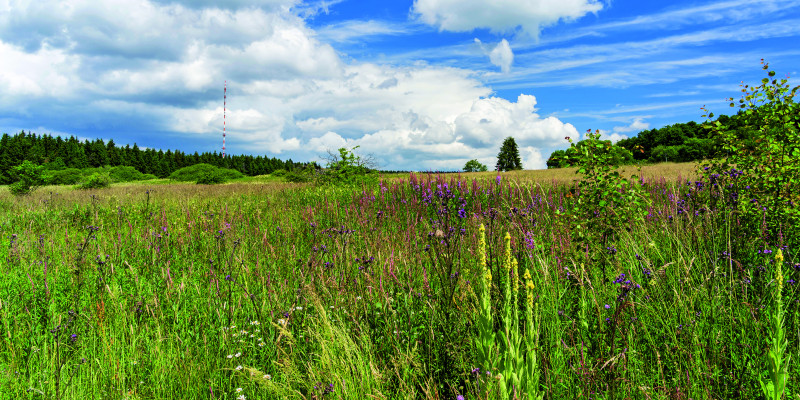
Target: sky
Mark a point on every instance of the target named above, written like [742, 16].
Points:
[418, 84]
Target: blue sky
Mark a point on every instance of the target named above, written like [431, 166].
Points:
[424, 84]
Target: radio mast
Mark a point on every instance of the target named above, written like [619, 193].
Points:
[224, 109]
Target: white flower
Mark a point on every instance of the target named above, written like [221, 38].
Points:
[267, 376]
[237, 355]
[238, 367]
[261, 344]
[358, 298]
[254, 323]
[238, 390]
[282, 321]
[241, 397]
[331, 307]
[298, 308]
[252, 336]
[230, 355]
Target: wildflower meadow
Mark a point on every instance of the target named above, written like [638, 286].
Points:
[417, 286]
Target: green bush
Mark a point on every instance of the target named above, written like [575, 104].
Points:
[761, 183]
[297, 177]
[95, 181]
[279, 172]
[127, 174]
[211, 178]
[69, 176]
[29, 177]
[196, 172]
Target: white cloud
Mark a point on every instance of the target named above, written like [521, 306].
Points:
[502, 56]
[162, 65]
[501, 15]
[637, 125]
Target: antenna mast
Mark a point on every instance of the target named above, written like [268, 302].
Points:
[224, 109]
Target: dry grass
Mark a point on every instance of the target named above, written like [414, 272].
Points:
[669, 171]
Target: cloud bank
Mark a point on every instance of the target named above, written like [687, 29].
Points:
[157, 67]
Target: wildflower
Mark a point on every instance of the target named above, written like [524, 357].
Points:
[241, 397]
[607, 306]
[230, 355]
[237, 355]
[238, 390]
[261, 344]
[298, 308]
[459, 397]
[282, 321]
[267, 376]
[239, 367]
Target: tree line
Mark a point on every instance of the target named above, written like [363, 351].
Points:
[57, 153]
[681, 142]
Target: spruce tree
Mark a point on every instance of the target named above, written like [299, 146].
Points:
[508, 159]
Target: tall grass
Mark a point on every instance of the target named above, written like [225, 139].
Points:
[292, 291]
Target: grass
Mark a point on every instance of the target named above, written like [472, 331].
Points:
[266, 289]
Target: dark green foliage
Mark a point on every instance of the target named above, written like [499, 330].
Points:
[95, 181]
[195, 172]
[474, 166]
[28, 176]
[615, 155]
[508, 159]
[68, 176]
[297, 177]
[56, 153]
[211, 178]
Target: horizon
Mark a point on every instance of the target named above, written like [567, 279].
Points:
[423, 84]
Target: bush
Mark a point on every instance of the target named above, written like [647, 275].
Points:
[347, 168]
[127, 174]
[196, 172]
[95, 181]
[29, 177]
[69, 176]
[761, 183]
[297, 177]
[279, 172]
[211, 178]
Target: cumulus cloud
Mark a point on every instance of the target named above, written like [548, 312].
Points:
[501, 15]
[158, 68]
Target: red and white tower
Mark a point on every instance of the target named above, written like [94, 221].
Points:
[224, 109]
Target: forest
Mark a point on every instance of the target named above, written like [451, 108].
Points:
[681, 142]
[57, 154]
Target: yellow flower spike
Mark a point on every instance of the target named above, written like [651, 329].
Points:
[482, 246]
[514, 265]
[507, 263]
[779, 274]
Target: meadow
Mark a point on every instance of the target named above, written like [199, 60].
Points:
[267, 290]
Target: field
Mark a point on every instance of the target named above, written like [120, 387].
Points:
[261, 289]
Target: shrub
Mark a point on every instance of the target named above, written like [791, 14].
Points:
[195, 172]
[761, 183]
[29, 177]
[279, 172]
[69, 176]
[211, 178]
[347, 168]
[95, 181]
[127, 174]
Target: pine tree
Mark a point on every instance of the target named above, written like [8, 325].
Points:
[508, 159]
